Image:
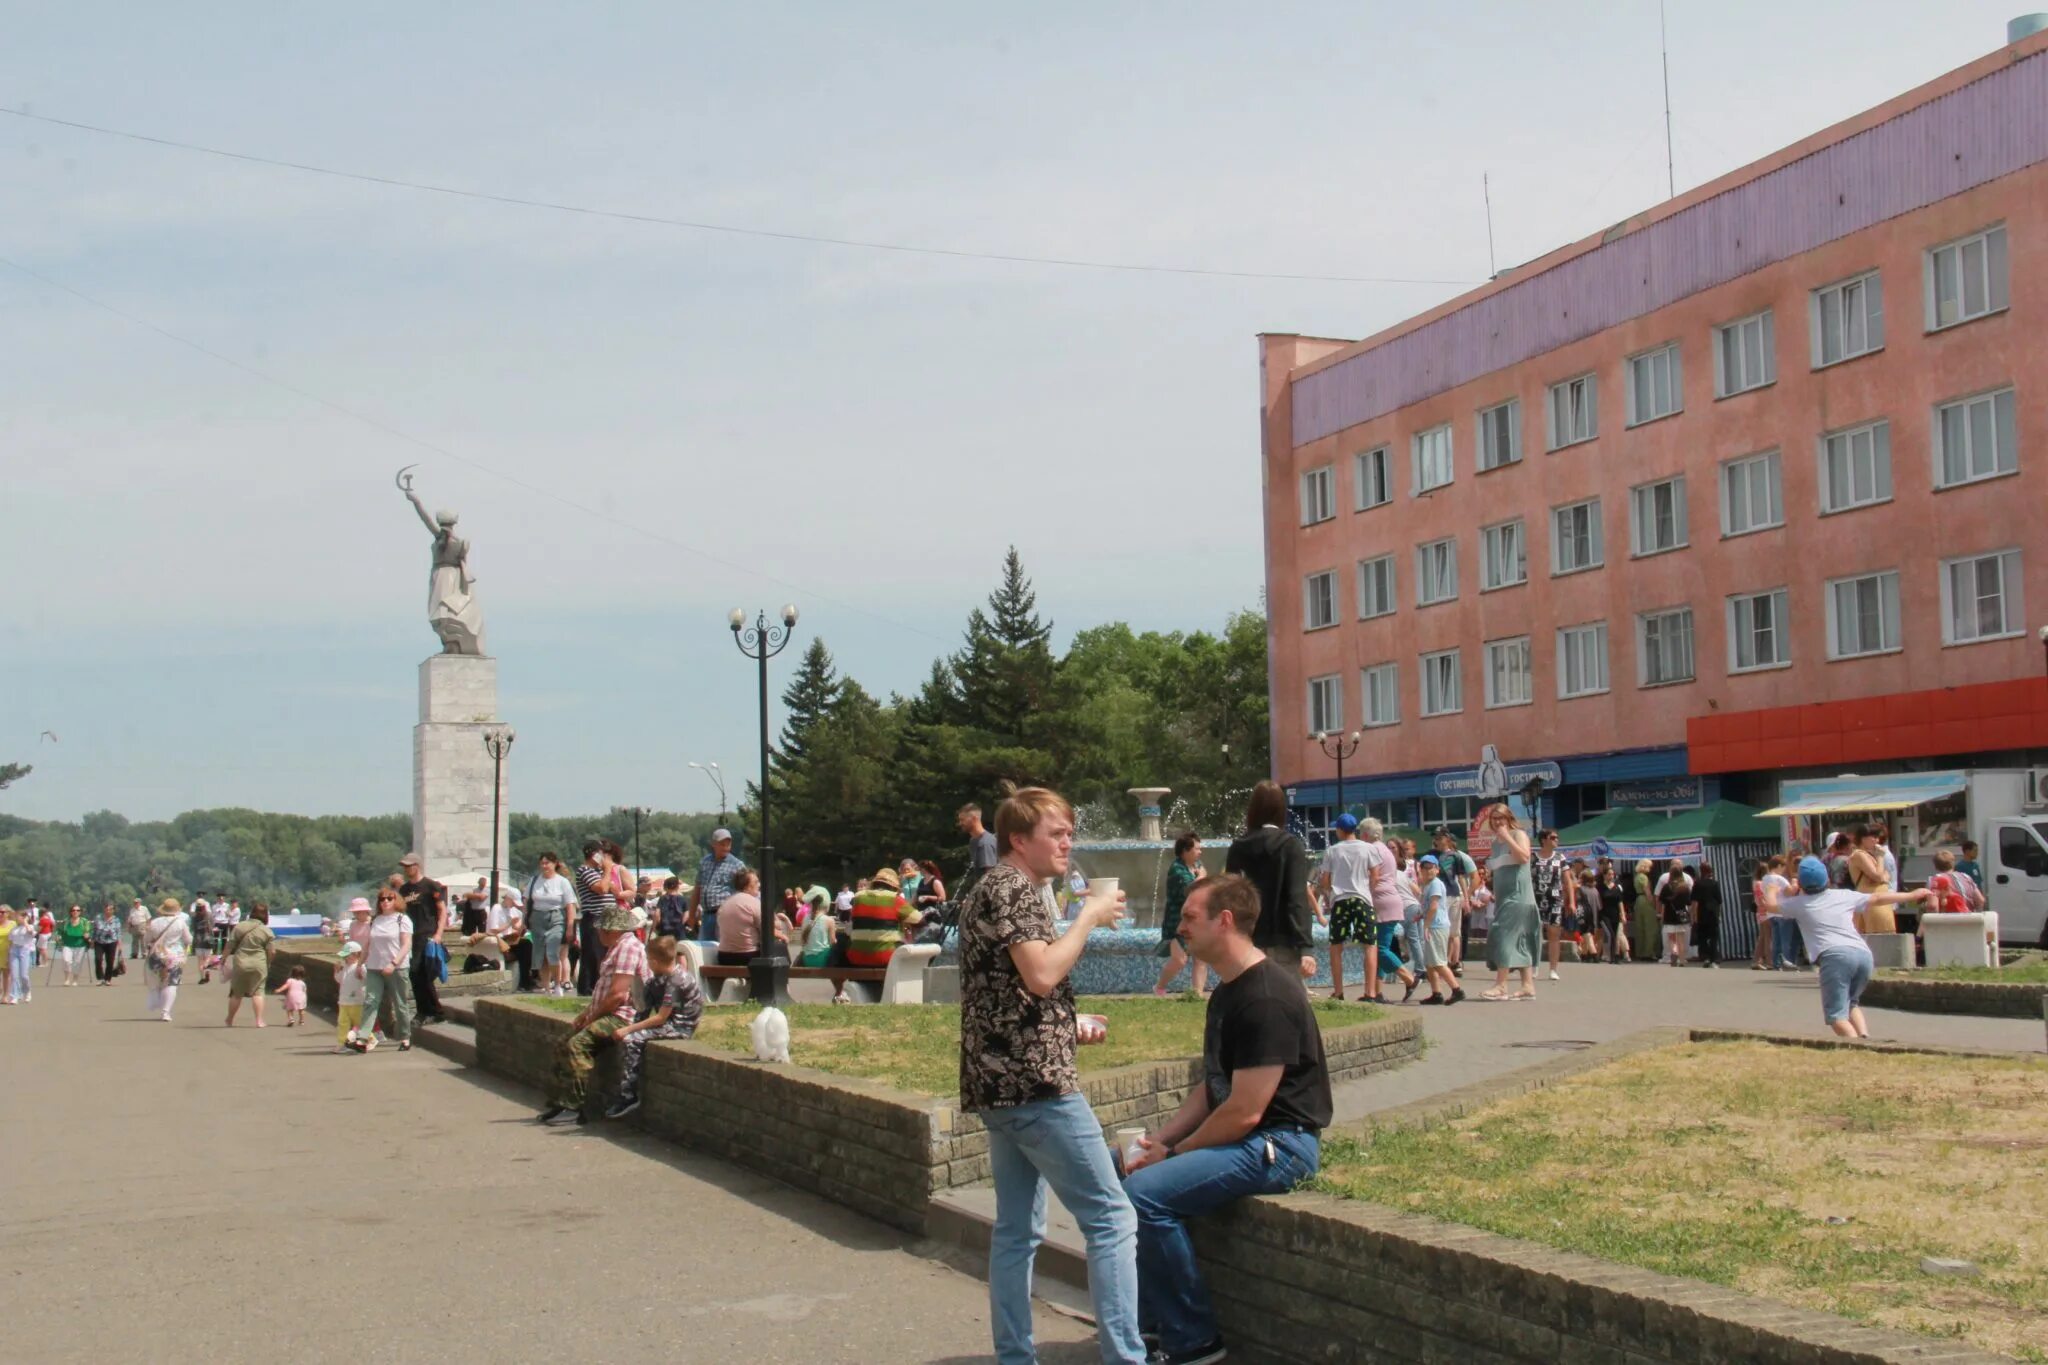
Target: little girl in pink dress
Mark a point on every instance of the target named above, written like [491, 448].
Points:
[294, 993]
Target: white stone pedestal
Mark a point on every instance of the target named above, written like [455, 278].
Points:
[451, 770]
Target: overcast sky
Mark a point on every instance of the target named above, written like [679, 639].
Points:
[212, 593]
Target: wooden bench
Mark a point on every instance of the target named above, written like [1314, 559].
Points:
[899, 983]
[711, 977]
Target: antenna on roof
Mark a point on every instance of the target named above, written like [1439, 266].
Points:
[1487, 191]
[1664, 51]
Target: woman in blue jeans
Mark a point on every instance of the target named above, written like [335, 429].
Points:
[1018, 1031]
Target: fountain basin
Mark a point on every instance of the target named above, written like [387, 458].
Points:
[1126, 961]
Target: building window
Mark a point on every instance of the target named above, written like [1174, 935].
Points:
[1436, 571]
[1664, 642]
[1441, 695]
[1756, 631]
[1582, 660]
[1319, 600]
[1659, 516]
[1974, 439]
[1318, 495]
[1980, 598]
[1847, 319]
[1856, 467]
[1745, 355]
[1453, 813]
[1325, 704]
[1863, 615]
[1654, 385]
[1375, 587]
[1751, 499]
[1574, 411]
[1966, 279]
[1432, 458]
[1507, 672]
[1575, 542]
[1382, 687]
[1500, 434]
[1503, 555]
[1374, 474]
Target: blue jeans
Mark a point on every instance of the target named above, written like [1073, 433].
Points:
[20, 962]
[1391, 960]
[1172, 1299]
[1058, 1142]
[1787, 943]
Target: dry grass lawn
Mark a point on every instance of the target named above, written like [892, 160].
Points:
[1819, 1178]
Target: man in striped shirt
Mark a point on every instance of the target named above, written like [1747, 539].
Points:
[593, 897]
[880, 915]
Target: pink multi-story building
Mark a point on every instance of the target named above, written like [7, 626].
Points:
[1639, 507]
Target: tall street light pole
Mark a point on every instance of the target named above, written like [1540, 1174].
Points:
[1339, 747]
[499, 744]
[717, 780]
[768, 973]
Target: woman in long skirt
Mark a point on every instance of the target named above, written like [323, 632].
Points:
[1643, 917]
[1516, 935]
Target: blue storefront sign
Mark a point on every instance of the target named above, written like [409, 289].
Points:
[1655, 793]
[1466, 781]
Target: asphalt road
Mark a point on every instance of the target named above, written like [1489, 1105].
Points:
[184, 1192]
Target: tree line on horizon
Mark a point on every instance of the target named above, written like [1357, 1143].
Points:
[857, 781]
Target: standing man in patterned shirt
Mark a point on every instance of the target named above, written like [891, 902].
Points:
[714, 883]
[1018, 1031]
[1551, 878]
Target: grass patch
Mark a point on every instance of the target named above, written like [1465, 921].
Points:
[1726, 1162]
[2032, 971]
[917, 1047]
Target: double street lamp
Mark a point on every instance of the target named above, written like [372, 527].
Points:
[638, 813]
[1340, 747]
[717, 780]
[768, 973]
[498, 743]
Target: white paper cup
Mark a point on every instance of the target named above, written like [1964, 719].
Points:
[1104, 886]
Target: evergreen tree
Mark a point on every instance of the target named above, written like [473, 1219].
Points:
[1006, 669]
[11, 773]
[807, 700]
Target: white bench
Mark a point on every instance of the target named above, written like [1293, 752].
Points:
[1960, 940]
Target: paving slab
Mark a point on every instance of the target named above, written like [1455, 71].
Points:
[184, 1192]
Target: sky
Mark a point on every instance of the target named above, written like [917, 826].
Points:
[212, 594]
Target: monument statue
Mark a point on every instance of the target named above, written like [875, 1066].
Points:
[452, 607]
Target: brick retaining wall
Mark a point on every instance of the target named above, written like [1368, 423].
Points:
[320, 985]
[1998, 999]
[886, 1152]
[1310, 1277]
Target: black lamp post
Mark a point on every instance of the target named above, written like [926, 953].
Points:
[2044, 646]
[768, 973]
[717, 780]
[499, 743]
[638, 813]
[1339, 747]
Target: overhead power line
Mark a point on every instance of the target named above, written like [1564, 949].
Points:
[422, 443]
[729, 229]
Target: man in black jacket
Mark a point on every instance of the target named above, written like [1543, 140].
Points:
[1276, 862]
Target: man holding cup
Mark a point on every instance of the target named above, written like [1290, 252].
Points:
[1018, 1031]
[1253, 1127]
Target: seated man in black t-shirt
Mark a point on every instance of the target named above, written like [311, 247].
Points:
[1252, 1128]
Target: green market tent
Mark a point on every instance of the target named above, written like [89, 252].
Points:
[1610, 825]
[1721, 822]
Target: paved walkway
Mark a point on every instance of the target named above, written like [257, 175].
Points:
[181, 1192]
